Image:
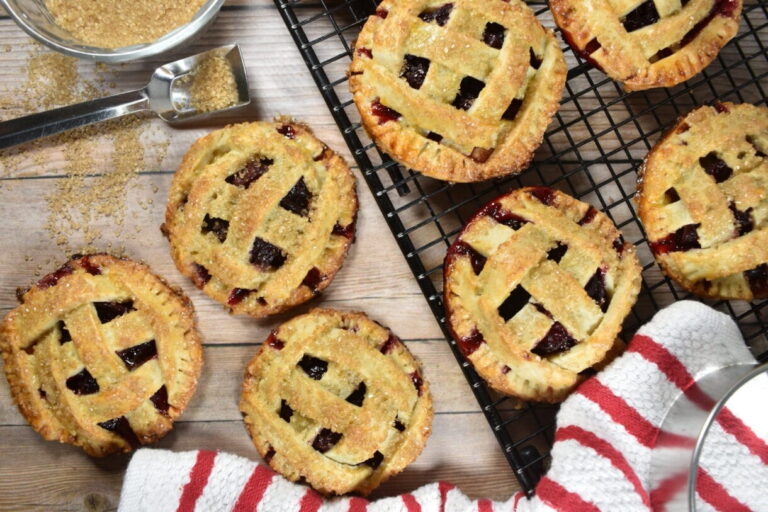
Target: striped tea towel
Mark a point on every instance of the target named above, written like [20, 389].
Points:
[600, 459]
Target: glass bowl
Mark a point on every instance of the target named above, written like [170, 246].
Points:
[35, 19]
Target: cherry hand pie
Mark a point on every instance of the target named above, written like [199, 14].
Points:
[101, 354]
[648, 43]
[703, 200]
[460, 91]
[336, 400]
[537, 286]
[260, 216]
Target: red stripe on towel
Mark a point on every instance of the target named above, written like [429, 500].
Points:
[198, 479]
[254, 489]
[411, 505]
[715, 494]
[310, 502]
[559, 498]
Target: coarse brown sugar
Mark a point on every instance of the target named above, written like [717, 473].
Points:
[213, 85]
[117, 23]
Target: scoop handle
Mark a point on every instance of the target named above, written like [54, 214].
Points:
[51, 122]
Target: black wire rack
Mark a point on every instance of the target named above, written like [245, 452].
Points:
[591, 151]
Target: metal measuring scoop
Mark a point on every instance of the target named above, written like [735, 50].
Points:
[165, 95]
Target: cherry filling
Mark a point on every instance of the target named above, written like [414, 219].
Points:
[439, 15]
[389, 345]
[200, 275]
[384, 114]
[137, 355]
[347, 231]
[267, 256]
[715, 167]
[237, 295]
[108, 311]
[325, 440]
[42, 393]
[753, 141]
[476, 259]
[684, 239]
[471, 342]
[758, 280]
[382, 13]
[285, 411]
[534, 60]
[743, 219]
[89, 266]
[493, 35]
[287, 130]
[398, 425]
[618, 245]
[253, 170]
[645, 14]
[313, 366]
[514, 303]
[434, 136]
[418, 382]
[375, 461]
[64, 335]
[219, 227]
[671, 195]
[160, 400]
[589, 216]
[469, 90]
[83, 383]
[313, 279]
[498, 213]
[275, 343]
[122, 428]
[51, 279]
[541, 309]
[505, 369]
[557, 252]
[586, 52]
[365, 51]
[544, 194]
[358, 395]
[556, 340]
[514, 107]
[595, 288]
[269, 455]
[480, 155]
[414, 70]
[297, 199]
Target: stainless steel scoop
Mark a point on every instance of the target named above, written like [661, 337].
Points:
[165, 95]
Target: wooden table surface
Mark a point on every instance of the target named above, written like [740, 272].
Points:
[39, 475]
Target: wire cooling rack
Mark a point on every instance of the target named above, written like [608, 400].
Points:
[592, 151]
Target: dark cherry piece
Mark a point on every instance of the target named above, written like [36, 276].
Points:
[418, 382]
[743, 219]
[618, 245]
[720, 107]
[595, 288]
[434, 136]
[645, 14]
[557, 252]
[514, 303]
[544, 194]
[325, 440]
[219, 227]
[671, 195]
[270, 453]
[753, 141]
[512, 110]
[275, 343]
[541, 309]
[589, 216]
[200, 275]
[534, 59]
[390, 344]
[384, 114]
[42, 393]
[64, 335]
[160, 400]
[758, 280]
[285, 411]
[684, 239]
[90, 266]
[497, 212]
[83, 383]
[586, 52]
[505, 369]
[237, 295]
[414, 70]
[297, 199]
[382, 13]
[267, 256]
[469, 90]
[135, 356]
[253, 170]
[122, 428]
[471, 342]
[398, 425]
[313, 279]
[476, 259]
[493, 35]
[358, 395]
[347, 231]
[556, 340]
[480, 155]
[376, 460]
[715, 167]
[287, 130]
[30, 349]
[439, 15]
[313, 366]
[365, 51]
[53, 278]
[108, 311]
